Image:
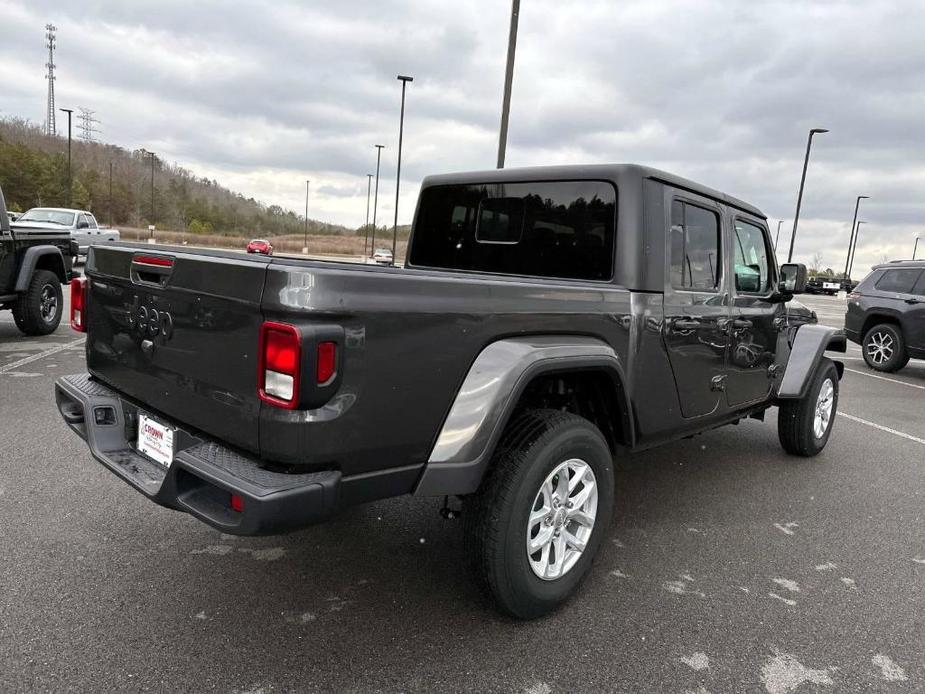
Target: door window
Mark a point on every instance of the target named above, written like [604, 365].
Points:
[919, 289]
[82, 220]
[752, 269]
[899, 281]
[694, 243]
[92, 220]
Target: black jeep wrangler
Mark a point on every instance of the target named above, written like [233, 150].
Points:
[34, 263]
[546, 321]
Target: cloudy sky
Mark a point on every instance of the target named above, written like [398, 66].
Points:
[262, 95]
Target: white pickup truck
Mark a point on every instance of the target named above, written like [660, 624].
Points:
[81, 224]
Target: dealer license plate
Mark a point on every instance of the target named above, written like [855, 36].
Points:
[155, 440]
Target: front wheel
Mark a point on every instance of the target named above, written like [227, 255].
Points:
[537, 521]
[804, 426]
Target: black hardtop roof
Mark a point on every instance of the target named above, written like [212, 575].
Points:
[894, 264]
[609, 172]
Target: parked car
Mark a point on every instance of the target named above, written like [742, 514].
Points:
[822, 285]
[261, 246]
[383, 256]
[533, 335]
[34, 263]
[80, 224]
[886, 315]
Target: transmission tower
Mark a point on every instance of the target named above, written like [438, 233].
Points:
[50, 30]
[87, 124]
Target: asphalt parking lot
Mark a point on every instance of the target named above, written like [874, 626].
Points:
[730, 568]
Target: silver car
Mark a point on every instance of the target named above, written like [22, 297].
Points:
[81, 224]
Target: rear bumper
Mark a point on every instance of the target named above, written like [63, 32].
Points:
[204, 474]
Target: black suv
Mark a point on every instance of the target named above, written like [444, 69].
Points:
[886, 314]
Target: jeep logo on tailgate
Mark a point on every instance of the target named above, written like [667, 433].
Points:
[149, 321]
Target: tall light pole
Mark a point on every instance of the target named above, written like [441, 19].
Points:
[153, 159]
[305, 228]
[777, 238]
[854, 222]
[369, 183]
[508, 80]
[110, 193]
[857, 232]
[796, 216]
[376, 197]
[404, 79]
[70, 183]
[915, 247]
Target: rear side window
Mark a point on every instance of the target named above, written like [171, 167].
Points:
[900, 281]
[694, 243]
[564, 229]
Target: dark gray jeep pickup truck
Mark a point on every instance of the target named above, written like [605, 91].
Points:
[546, 321]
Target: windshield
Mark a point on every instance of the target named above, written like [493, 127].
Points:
[53, 216]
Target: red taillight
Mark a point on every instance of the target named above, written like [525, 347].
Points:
[327, 362]
[156, 260]
[279, 361]
[237, 503]
[78, 313]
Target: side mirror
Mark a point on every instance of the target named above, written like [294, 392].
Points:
[792, 278]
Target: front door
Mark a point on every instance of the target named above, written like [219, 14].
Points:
[696, 302]
[752, 328]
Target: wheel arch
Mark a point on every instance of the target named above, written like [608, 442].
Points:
[40, 258]
[878, 318]
[584, 374]
[807, 351]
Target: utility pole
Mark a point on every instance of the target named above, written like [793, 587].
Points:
[153, 159]
[110, 193]
[376, 197]
[508, 80]
[369, 183]
[857, 203]
[915, 247]
[404, 79]
[305, 229]
[70, 183]
[796, 217]
[50, 30]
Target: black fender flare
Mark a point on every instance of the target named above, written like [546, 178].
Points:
[809, 344]
[490, 392]
[31, 258]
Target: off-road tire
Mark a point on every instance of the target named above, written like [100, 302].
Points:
[795, 418]
[899, 357]
[495, 517]
[27, 311]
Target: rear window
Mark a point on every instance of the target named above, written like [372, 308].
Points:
[562, 229]
[899, 281]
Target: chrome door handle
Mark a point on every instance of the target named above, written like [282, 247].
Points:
[686, 324]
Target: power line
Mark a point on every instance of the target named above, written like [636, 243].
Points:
[50, 39]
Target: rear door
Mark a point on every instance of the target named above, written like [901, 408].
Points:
[695, 301]
[752, 330]
[178, 332]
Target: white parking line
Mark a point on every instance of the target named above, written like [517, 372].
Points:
[35, 357]
[882, 428]
[884, 378]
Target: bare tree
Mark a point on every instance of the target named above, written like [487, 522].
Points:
[816, 263]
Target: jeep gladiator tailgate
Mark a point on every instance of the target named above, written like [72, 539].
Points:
[177, 331]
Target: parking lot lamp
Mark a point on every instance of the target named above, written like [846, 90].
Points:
[857, 232]
[796, 216]
[376, 197]
[369, 183]
[915, 247]
[851, 235]
[305, 228]
[508, 80]
[70, 183]
[404, 79]
[777, 238]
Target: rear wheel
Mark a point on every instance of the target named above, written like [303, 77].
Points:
[884, 348]
[536, 523]
[38, 310]
[804, 426]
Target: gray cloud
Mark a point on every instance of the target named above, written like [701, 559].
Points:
[264, 95]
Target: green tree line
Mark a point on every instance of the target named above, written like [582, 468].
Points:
[33, 173]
